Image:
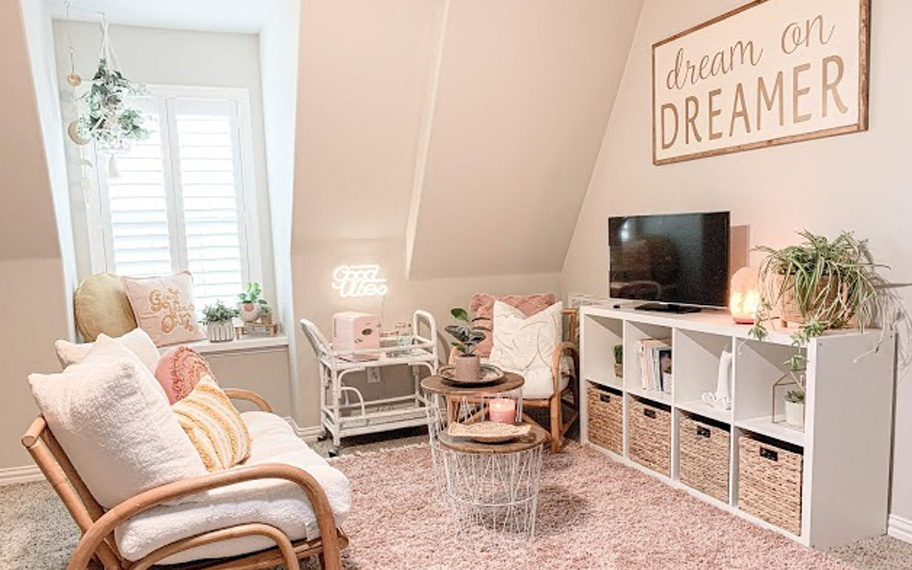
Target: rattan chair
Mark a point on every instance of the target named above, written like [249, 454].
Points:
[97, 525]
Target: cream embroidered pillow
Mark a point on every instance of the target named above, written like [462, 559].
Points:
[164, 307]
[526, 345]
[214, 426]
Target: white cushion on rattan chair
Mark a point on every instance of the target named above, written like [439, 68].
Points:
[278, 503]
[526, 345]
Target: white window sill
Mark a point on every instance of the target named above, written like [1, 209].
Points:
[245, 344]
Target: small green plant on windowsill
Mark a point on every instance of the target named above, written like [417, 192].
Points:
[218, 312]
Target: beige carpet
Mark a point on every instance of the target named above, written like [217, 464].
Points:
[594, 513]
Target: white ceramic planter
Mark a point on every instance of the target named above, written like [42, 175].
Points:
[794, 414]
[220, 332]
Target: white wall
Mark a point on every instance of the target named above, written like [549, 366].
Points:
[857, 182]
[279, 70]
[171, 57]
[31, 271]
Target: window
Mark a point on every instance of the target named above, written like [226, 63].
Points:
[183, 198]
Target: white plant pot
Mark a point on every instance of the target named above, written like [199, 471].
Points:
[250, 312]
[220, 332]
[794, 414]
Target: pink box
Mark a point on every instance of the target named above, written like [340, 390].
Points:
[356, 331]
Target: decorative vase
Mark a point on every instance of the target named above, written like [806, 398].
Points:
[222, 331]
[467, 368]
[250, 312]
[794, 414]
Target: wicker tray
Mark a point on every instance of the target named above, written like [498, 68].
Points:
[488, 432]
[705, 456]
[606, 418]
[649, 442]
[769, 484]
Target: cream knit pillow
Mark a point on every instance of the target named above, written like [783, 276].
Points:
[214, 426]
[113, 421]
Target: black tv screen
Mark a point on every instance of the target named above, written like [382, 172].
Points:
[679, 259]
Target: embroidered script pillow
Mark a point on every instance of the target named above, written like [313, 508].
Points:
[164, 307]
[214, 426]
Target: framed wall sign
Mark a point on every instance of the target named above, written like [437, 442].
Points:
[771, 72]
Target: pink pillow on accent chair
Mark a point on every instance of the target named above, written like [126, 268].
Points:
[482, 305]
[179, 371]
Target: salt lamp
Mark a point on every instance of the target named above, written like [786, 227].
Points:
[744, 296]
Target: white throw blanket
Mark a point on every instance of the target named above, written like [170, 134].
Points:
[277, 503]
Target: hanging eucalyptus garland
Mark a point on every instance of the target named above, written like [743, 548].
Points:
[105, 117]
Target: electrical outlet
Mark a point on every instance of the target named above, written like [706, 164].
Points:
[373, 375]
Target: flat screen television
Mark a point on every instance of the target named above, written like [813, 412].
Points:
[679, 262]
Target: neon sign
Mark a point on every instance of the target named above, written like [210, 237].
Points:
[359, 281]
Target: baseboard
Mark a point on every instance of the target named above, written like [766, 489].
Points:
[900, 528]
[16, 475]
[310, 433]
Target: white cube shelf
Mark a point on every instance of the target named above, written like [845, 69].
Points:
[846, 442]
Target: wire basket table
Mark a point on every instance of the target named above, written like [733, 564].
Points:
[494, 486]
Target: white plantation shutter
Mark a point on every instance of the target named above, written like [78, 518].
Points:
[179, 200]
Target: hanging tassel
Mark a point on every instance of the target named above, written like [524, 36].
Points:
[113, 172]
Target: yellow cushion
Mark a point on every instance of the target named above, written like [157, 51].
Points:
[101, 306]
[214, 426]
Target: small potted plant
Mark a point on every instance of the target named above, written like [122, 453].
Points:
[467, 364]
[619, 360]
[265, 314]
[794, 408]
[251, 303]
[219, 321]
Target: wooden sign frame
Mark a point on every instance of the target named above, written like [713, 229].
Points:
[864, 36]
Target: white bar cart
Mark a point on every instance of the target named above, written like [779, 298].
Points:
[343, 417]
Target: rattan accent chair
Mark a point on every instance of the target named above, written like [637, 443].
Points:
[97, 525]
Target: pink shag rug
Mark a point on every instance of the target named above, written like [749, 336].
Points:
[594, 513]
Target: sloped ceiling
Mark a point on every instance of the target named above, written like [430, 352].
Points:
[464, 130]
[28, 227]
[523, 97]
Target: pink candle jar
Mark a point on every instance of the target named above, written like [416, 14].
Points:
[502, 410]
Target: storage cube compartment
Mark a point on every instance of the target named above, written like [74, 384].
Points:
[770, 480]
[649, 442]
[598, 343]
[705, 453]
[606, 417]
[634, 334]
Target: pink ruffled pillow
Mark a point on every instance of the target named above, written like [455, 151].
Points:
[179, 371]
[482, 306]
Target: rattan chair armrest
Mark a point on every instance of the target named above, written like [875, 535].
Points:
[159, 495]
[564, 348]
[247, 395]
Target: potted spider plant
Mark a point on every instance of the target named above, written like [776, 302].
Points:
[819, 284]
[219, 321]
[467, 364]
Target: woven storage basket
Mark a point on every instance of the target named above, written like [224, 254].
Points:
[649, 443]
[770, 483]
[606, 418]
[705, 456]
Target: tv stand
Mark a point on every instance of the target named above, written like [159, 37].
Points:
[668, 308]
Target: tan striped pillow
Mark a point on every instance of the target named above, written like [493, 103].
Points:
[214, 426]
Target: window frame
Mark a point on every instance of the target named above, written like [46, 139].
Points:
[164, 96]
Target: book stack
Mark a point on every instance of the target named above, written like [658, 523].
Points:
[655, 364]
